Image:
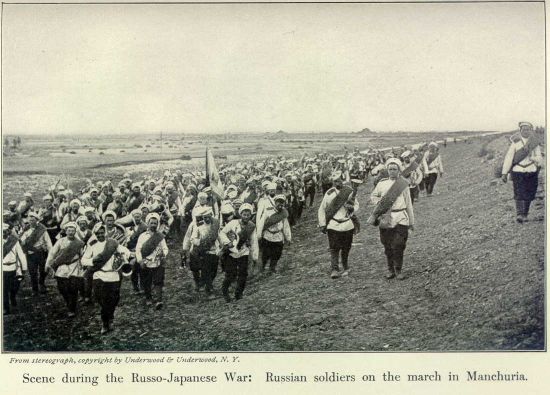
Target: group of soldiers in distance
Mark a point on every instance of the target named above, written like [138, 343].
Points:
[91, 238]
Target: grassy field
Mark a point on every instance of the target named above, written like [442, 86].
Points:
[42, 161]
[475, 281]
[59, 155]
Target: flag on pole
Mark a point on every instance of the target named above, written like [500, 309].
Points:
[212, 175]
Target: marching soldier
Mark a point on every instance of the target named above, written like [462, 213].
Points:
[135, 230]
[100, 259]
[14, 217]
[412, 172]
[274, 229]
[433, 167]
[239, 238]
[335, 220]
[48, 215]
[394, 216]
[36, 243]
[151, 253]
[64, 261]
[524, 160]
[14, 265]
[201, 246]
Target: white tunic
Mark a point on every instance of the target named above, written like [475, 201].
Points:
[276, 233]
[155, 258]
[107, 272]
[402, 209]
[75, 269]
[528, 165]
[436, 167]
[341, 221]
[15, 260]
[234, 226]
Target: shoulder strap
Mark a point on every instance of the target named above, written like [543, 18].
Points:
[524, 151]
[151, 244]
[388, 199]
[339, 200]
[103, 257]
[36, 234]
[8, 245]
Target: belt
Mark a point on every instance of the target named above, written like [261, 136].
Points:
[340, 221]
[8, 263]
[524, 166]
[397, 211]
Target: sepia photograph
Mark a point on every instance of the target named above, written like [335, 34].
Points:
[354, 177]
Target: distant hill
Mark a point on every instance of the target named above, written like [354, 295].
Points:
[365, 131]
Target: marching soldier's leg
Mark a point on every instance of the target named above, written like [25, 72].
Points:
[385, 238]
[32, 263]
[8, 278]
[158, 285]
[230, 276]
[242, 275]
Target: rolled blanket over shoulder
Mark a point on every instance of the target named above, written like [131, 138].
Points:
[412, 167]
[207, 242]
[66, 256]
[524, 151]
[430, 158]
[276, 218]
[36, 234]
[387, 201]
[103, 257]
[151, 244]
[245, 234]
[337, 202]
[133, 239]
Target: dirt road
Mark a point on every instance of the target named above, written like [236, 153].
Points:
[475, 281]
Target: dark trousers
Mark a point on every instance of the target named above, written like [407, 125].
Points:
[422, 184]
[394, 241]
[339, 244]
[87, 283]
[235, 269]
[107, 295]
[175, 228]
[525, 185]
[310, 191]
[204, 268]
[152, 281]
[68, 288]
[292, 214]
[37, 263]
[300, 208]
[430, 180]
[10, 288]
[271, 252]
[136, 275]
[415, 192]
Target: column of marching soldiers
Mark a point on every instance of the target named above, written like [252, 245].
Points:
[90, 239]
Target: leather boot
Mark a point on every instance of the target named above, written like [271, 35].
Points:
[519, 211]
[526, 205]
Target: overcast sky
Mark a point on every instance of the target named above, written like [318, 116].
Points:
[215, 68]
